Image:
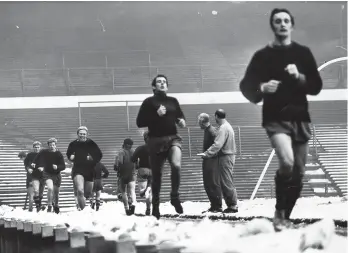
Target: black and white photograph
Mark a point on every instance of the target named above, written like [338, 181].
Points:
[173, 127]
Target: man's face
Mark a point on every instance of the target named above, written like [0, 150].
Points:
[161, 84]
[52, 146]
[201, 124]
[82, 135]
[282, 24]
[127, 146]
[37, 148]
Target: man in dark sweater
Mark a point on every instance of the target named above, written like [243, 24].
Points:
[160, 114]
[51, 162]
[100, 172]
[126, 172]
[211, 173]
[85, 154]
[282, 74]
[141, 157]
[34, 176]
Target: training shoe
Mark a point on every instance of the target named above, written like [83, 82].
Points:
[231, 209]
[279, 222]
[148, 212]
[132, 209]
[56, 209]
[49, 209]
[213, 210]
[177, 205]
[128, 212]
[97, 207]
[156, 212]
[93, 205]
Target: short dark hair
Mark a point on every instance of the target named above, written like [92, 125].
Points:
[128, 141]
[22, 154]
[279, 10]
[220, 113]
[154, 80]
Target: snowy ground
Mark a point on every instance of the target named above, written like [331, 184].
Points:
[207, 236]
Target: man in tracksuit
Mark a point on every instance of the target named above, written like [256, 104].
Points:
[211, 174]
[224, 147]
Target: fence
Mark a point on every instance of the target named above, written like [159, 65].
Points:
[113, 80]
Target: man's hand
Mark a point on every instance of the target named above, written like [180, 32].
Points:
[161, 111]
[72, 157]
[30, 171]
[33, 165]
[292, 71]
[202, 155]
[182, 123]
[41, 169]
[89, 158]
[270, 87]
[54, 167]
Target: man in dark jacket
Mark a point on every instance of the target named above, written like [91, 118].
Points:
[51, 162]
[85, 154]
[211, 174]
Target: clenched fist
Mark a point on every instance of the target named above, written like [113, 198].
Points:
[182, 123]
[270, 87]
[161, 110]
[292, 71]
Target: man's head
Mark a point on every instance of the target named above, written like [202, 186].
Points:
[220, 116]
[22, 155]
[203, 120]
[52, 144]
[127, 143]
[82, 133]
[281, 22]
[36, 146]
[160, 84]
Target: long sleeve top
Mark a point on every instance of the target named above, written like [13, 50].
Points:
[46, 159]
[142, 156]
[289, 102]
[81, 149]
[160, 126]
[29, 160]
[123, 162]
[99, 170]
[224, 143]
[209, 137]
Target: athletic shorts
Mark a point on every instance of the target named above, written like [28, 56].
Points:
[87, 175]
[163, 144]
[299, 132]
[56, 178]
[144, 174]
[98, 185]
[127, 180]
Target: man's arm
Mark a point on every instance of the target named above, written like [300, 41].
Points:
[218, 143]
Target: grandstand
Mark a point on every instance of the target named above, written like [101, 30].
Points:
[198, 51]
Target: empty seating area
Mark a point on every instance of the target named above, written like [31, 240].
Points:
[332, 153]
[108, 126]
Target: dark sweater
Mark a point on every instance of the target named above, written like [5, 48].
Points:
[99, 169]
[142, 153]
[29, 160]
[46, 158]
[160, 126]
[81, 149]
[209, 137]
[289, 102]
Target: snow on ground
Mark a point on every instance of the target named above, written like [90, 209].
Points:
[208, 236]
